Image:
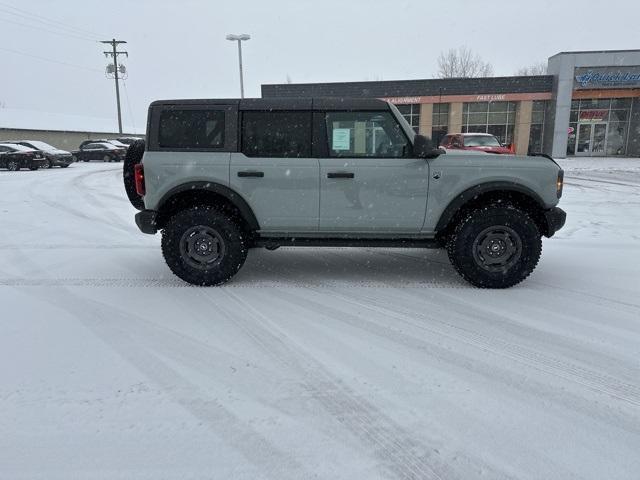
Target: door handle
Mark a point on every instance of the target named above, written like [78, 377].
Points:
[340, 175]
[251, 174]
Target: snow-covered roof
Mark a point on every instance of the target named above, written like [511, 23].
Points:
[19, 148]
[107, 145]
[24, 119]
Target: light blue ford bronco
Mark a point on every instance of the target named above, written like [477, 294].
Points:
[218, 177]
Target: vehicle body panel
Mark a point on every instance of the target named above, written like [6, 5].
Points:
[285, 198]
[459, 172]
[385, 194]
[165, 171]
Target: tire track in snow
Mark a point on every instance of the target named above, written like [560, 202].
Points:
[463, 364]
[170, 282]
[66, 207]
[398, 450]
[600, 382]
[113, 327]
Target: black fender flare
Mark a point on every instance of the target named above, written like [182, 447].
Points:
[232, 196]
[467, 195]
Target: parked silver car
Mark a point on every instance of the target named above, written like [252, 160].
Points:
[221, 176]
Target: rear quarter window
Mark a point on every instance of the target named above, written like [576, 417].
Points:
[196, 129]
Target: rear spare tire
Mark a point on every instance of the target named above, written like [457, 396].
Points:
[134, 156]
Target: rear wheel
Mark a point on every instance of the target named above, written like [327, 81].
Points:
[13, 166]
[203, 246]
[106, 158]
[497, 246]
[133, 157]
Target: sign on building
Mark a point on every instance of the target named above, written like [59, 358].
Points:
[606, 77]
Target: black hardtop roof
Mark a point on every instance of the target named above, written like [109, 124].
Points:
[285, 103]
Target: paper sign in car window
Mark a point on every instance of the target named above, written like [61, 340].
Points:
[341, 139]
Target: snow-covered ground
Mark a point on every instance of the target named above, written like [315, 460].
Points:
[313, 363]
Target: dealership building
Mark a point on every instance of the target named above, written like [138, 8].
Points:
[587, 105]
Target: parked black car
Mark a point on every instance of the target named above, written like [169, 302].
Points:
[112, 141]
[104, 151]
[54, 156]
[14, 157]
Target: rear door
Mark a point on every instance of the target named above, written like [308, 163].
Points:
[368, 181]
[275, 171]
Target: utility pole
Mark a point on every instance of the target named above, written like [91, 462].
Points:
[114, 53]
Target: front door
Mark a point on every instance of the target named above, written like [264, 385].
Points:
[591, 139]
[275, 171]
[369, 183]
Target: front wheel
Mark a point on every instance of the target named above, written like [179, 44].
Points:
[496, 246]
[203, 246]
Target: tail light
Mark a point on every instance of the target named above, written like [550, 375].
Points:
[560, 183]
[138, 175]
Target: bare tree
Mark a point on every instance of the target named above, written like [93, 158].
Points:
[539, 68]
[462, 63]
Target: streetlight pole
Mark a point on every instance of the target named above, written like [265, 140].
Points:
[239, 39]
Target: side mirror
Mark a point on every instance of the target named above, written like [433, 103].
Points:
[423, 147]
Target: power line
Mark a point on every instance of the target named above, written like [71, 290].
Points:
[16, 52]
[126, 95]
[40, 18]
[41, 29]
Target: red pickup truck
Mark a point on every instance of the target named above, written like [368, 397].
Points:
[483, 142]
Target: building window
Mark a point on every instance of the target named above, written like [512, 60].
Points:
[496, 118]
[411, 113]
[598, 126]
[439, 122]
[536, 131]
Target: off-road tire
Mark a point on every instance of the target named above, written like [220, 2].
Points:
[133, 157]
[479, 231]
[208, 221]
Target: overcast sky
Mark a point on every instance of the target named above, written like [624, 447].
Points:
[177, 49]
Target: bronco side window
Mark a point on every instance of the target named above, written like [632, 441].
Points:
[276, 134]
[191, 129]
[365, 134]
